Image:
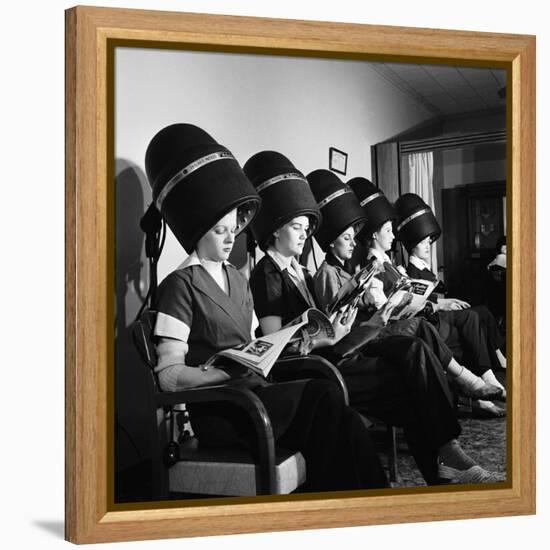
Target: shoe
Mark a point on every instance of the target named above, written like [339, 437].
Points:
[487, 391]
[486, 409]
[474, 474]
[502, 396]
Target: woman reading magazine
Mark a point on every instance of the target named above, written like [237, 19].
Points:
[205, 306]
[473, 331]
[377, 236]
[406, 387]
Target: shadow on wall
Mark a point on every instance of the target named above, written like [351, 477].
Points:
[133, 195]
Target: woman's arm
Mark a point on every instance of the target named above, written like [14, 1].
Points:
[270, 324]
[341, 321]
[171, 355]
[374, 295]
[326, 285]
[450, 304]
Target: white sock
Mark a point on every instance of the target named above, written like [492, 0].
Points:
[490, 378]
[501, 358]
[451, 454]
[469, 380]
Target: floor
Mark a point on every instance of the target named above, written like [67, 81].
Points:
[483, 439]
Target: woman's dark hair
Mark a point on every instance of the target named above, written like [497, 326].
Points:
[270, 241]
[500, 243]
[366, 237]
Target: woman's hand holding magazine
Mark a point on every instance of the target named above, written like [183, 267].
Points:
[342, 322]
[405, 300]
[351, 293]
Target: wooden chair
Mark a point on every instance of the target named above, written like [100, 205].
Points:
[186, 468]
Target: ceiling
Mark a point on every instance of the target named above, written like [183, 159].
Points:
[445, 90]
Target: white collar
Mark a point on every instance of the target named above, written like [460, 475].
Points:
[499, 260]
[193, 259]
[382, 256]
[283, 262]
[418, 262]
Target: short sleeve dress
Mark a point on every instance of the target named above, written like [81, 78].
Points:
[306, 415]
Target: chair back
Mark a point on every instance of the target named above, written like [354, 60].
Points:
[142, 335]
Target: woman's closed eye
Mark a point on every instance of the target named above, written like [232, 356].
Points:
[223, 230]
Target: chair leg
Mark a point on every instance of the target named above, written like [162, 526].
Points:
[392, 452]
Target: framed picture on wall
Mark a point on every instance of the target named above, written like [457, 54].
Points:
[338, 161]
[149, 472]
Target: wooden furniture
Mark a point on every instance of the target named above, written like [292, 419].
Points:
[185, 468]
[473, 220]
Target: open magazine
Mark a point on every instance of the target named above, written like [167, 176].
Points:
[261, 354]
[407, 298]
[352, 291]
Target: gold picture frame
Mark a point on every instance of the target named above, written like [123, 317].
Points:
[91, 36]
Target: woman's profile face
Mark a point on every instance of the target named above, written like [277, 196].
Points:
[343, 246]
[422, 249]
[291, 237]
[216, 244]
[383, 238]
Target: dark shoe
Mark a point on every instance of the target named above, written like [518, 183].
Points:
[487, 392]
[502, 396]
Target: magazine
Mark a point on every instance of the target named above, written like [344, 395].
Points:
[407, 298]
[261, 354]
[352, 291]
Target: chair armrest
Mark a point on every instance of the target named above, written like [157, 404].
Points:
[308, 366]
[242, 397]
[251, 403]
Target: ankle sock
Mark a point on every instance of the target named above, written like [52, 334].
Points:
[490, 378]
[451, 454]
[469, 380]
[501, 358]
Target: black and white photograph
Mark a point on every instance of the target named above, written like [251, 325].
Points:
[274, 274]
[235, 216]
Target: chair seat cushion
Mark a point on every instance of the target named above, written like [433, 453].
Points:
[231, 472]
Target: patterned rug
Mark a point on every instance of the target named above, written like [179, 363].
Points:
[483, 439]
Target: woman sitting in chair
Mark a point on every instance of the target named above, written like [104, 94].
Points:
[377, 236]
[408, 390]
[473, 330]
[205, 306]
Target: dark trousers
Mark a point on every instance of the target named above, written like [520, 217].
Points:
[307, 416]
[400, 380]
[463, 333]
[337, 446]
[418, 327]
[492, 334]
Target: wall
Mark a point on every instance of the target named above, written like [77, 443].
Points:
[462, 166]
[298, 106]
[472, 165]
[249, 103]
